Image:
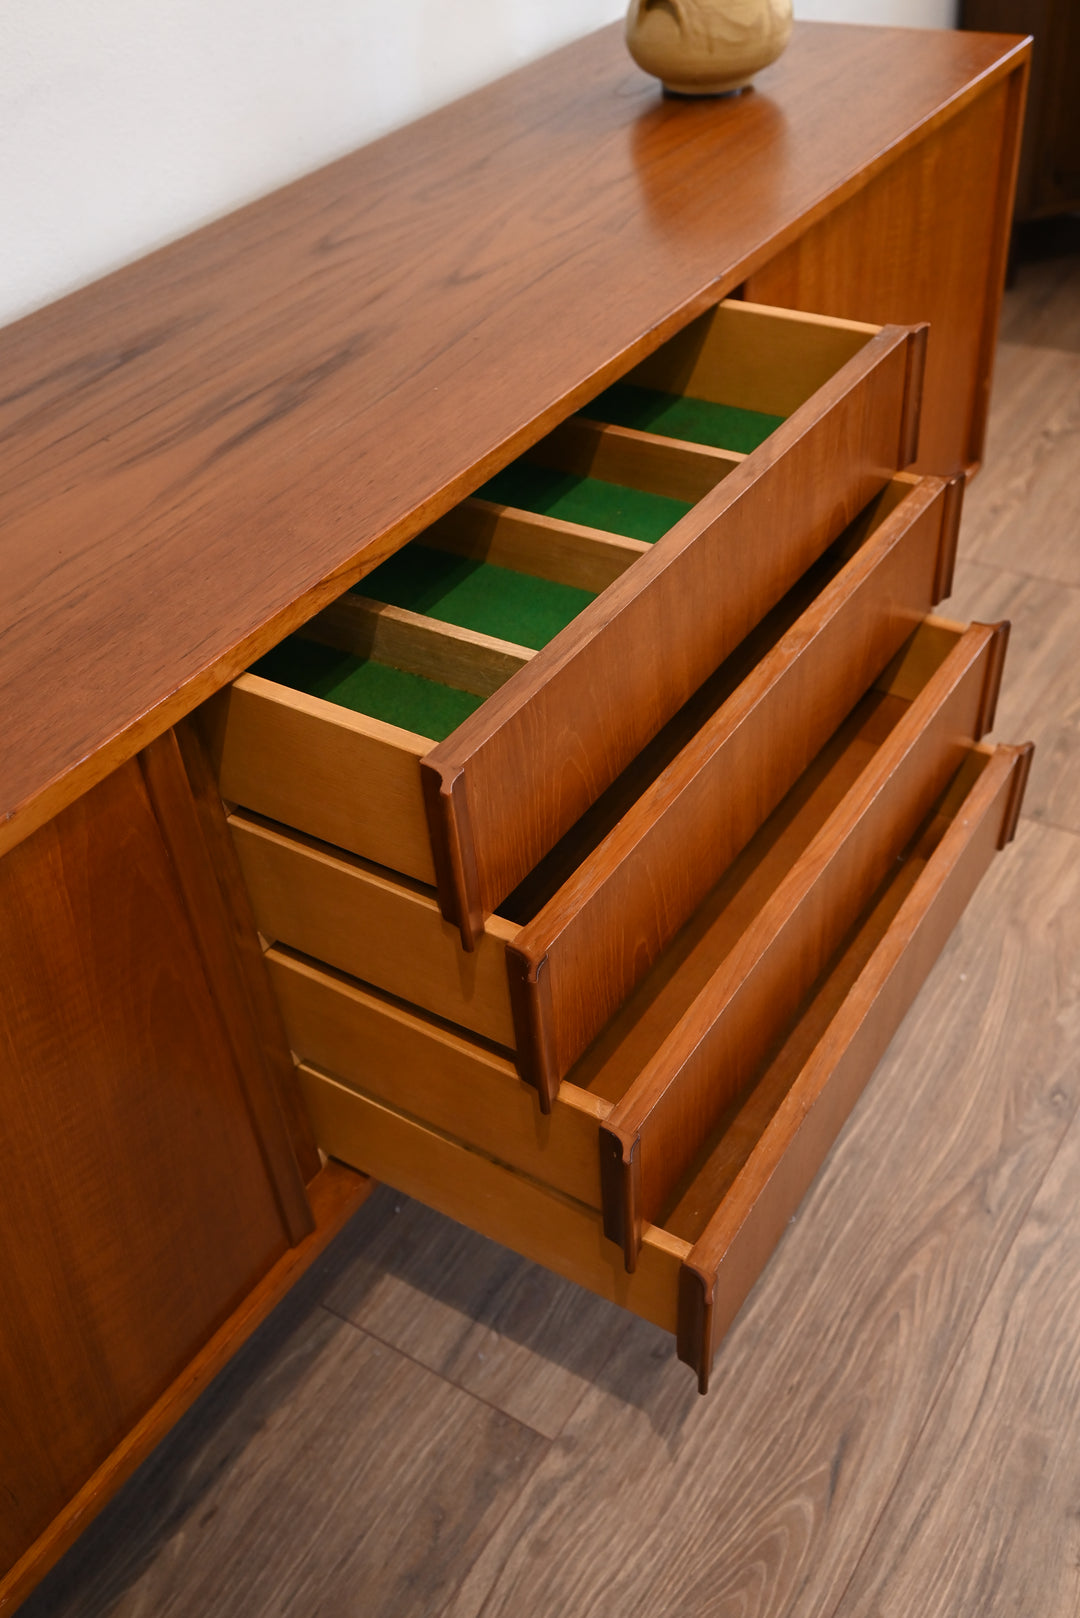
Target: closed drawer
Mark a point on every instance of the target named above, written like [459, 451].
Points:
[593, 918]
[697, 1262]
[469, 753]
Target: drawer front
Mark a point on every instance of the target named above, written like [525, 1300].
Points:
[547, 988]
[514, 1209]
[552, 728]
[729, 1255]
[356, 916]
[471, 1091]
[694, 1286]
[307, 763]
[420, 1067]
[515, 776]
[575, 962]
[664, 1120]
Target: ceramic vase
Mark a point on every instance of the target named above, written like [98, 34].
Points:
[706, 47]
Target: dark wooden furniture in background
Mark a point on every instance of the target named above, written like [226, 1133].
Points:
[202, 451]
[1049, 179]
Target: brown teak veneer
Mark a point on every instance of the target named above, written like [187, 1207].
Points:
[275, 402]
[203, 451]
[727, 1258]
[694, 1286]
[578, 959]
[510, 780]
[653, 1134]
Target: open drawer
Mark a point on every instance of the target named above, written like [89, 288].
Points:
[842, 823]
[571, 944]
[698, 1260]
[492, 679]
[873, 781]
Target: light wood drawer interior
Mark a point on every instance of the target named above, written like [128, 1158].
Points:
[698, 1260]
[468, 660]
[861, 799]
[591, 919]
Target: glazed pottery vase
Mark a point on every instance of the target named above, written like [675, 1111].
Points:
[706, 47]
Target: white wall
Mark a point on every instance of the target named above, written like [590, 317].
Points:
[897, 13]
[125, 123]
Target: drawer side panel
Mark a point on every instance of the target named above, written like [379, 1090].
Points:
[601, 933]
[738, 1241]
[517, 774]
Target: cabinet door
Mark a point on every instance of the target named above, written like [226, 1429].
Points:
[139, 1199]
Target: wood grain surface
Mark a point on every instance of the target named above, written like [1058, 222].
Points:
[1040, 695]
[514, 1335]
[668, 466]
[529, 542]
[732, 1249]
[238, 921]
[1040, 434]
[137, 1208]
[555, 1230]
[519, 771]
[640, 1028]
[464, 658]
[225, 933]
[601, 932]
[756, 1501]
[431, 1071]
[307, 1406]
[334, 1194]
[871, 1326]
[983, 1519]
[274, 403]
[342, 776]
[951, 267]
[653, 1134]
[760, 1499]
[364, 920]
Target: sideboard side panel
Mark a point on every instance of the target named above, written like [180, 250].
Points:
[926, 239]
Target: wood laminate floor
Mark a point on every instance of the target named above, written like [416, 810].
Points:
[431, 1426]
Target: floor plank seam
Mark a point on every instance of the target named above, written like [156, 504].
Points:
[959, 1348]
[451, 1602]
[594, 1380]
[1034, 348]
[1051, 825]
[1020, 573]
[396, 1348]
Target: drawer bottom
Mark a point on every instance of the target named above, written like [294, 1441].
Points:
[698, 1263]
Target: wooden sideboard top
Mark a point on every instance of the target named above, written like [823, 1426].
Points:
[203, 448]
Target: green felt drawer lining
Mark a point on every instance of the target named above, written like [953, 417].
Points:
[408, 700]
[675, 415]
[591, 501]
[476, 595]
[516, 607]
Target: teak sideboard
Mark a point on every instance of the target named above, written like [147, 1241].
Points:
[595, 951]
